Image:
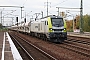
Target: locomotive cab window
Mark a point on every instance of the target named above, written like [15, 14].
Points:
[57, 22]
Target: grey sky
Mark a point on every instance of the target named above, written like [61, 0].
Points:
[36, 6]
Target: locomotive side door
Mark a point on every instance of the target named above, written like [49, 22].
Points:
[46, 26]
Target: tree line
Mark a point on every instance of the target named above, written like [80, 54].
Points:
[86, 23]
[0, 25]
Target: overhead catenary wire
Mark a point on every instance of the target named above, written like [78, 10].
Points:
[24, 2]
[60, 3]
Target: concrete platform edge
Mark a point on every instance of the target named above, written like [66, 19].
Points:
[14, 50]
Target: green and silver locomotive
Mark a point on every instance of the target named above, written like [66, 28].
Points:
[52, 28]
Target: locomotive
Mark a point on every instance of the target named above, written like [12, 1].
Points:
[52, 28]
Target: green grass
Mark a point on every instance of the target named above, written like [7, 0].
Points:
[3, 29]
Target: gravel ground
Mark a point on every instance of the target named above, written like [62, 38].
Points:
[1, 42]
[58, 52]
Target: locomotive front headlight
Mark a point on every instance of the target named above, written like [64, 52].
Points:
[64, 28]
[50, 29]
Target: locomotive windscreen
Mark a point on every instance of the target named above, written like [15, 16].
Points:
[57, 22]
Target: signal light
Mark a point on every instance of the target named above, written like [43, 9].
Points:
[75, 21]
[25, 20]
[17, 19]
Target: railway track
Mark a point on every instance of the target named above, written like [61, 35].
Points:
[65, 51]
[32, 52]
[82, 42]
[75, 48]
[21, 49]
[79, 40]
[77, 45]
